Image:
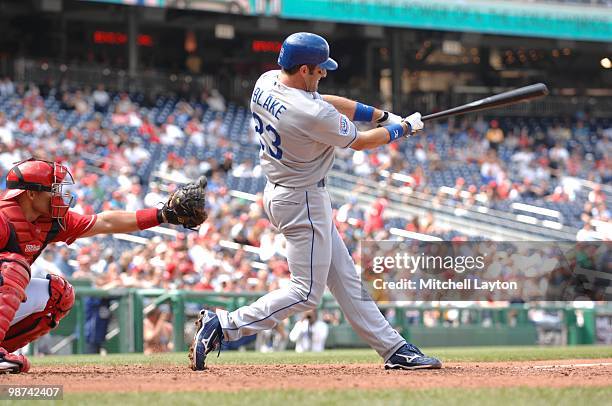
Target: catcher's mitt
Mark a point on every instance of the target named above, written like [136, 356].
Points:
[186, 205]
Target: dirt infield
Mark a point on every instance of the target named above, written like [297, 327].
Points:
[145, 378]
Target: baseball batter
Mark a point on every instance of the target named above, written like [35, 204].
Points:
[298, 131]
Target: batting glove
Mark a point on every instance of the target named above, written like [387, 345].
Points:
[414, 122]
[388, 119]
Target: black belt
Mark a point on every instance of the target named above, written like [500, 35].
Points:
[320, 183]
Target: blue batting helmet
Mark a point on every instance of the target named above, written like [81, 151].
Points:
[305, 48]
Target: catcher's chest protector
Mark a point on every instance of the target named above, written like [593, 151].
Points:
[26, 238]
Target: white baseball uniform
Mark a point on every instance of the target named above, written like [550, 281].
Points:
[298, 132]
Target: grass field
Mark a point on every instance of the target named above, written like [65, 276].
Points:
[456, 354]
[543, 395]
[443, 397]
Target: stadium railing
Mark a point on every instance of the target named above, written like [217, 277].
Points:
[157, 81]
[151, 81]
[445, 324]
[480, 220]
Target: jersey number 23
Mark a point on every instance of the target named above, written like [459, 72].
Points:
[275, 152]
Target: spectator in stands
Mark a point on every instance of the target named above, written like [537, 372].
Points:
[183, 112]
[215, 130]
[470, 201]
[148, 130]
[171, 133]
[420, 154]
[244, 169]
[84, 268]
[126, 177]
[495, 135]
[124, 105]
[596, 195]
[397, 162]
[459, 186]
[419, 179]
[581, 129]
[531, 172]
[522, 158]
[374, 217]
[380, 159]
[195, 132]
[558, 157]
[81, 106]
[6, 130]
[61, 262]
[192, 168]
[135, 154]
[45, 264]
[586, 233]
[66, 101]
[310, 333]
[361, 164]
[173, 168]
[273, 340]
[33, 99]
[133, 117]
[532, 190]
[226, 165]
[7, 87]
[154, 196]
[427, 224]
[414, 225]
[558, 195]
[434, 159]
[216, 102]
[41, 127]
[349, 211]
[97, 318]
[601, 212]
[133, 198]
[157, 331]
[101, 99]
[490, 170]
[26, 123]
[480, 127]
[100, 259]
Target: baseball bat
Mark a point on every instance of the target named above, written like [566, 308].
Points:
[503, 99]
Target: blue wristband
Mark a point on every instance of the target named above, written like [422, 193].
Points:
[363, 112]
[395, 131]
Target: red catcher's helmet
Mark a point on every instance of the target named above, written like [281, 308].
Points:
[41, 176]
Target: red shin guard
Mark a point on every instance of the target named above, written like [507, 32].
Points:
[12, 363]
[38, 324]
[14, 278]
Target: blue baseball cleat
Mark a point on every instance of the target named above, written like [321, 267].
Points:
[410, 357]
[207, 338]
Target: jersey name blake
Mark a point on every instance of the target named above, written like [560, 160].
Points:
[271, 104]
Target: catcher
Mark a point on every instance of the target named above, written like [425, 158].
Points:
[34, 212]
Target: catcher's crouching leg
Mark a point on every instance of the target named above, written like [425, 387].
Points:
[61, 300]
[14, 278]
